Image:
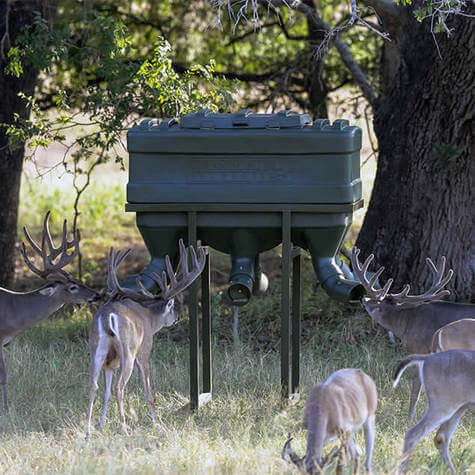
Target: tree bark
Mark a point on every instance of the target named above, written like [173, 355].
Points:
[13, 18]
[423, 195]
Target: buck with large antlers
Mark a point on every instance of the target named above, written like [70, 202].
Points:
[336, 408]
[22, 310]
[122, 330]
[412, 318]
[449, 382]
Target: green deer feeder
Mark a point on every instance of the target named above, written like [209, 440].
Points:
[244, 183]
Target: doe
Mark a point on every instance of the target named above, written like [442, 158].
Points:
[449, 382]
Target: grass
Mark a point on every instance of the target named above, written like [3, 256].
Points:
[242, 430]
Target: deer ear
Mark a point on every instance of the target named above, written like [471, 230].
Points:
[48, 291]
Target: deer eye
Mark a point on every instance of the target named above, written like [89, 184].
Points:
[73, 288]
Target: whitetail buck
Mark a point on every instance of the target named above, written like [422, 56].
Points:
[412, 318]
[449, 382]
[122, 330]
[458, 335]
[336, 408]
[22, 310]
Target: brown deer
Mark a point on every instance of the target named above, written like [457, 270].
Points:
[412, 318]
[458, 335]
[336, 408]
[122, 329]
[22, 310]
[449, 382]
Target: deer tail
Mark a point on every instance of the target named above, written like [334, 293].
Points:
[405, 363]
[110, 324]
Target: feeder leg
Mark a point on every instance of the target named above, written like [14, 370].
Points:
[194, 328]
[296, 311]
[206, 309]
[285, 340]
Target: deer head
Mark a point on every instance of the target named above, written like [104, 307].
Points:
[168, 283]
[60, 283]
[378, 300]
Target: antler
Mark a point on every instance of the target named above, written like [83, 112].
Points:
[434, 293]
[294, 458]
[49, 253]
[360, 273]
[299, 461]
[168, 290]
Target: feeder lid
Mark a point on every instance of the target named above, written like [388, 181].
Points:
[244, 119]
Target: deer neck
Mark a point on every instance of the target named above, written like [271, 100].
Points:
[27, 309]
[317, 429]
[388, 316]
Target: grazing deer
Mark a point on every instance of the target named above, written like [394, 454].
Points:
[22, 310]
[412, 318]
[449, 382]
[338, 407]
[122, 329]
[458, 335]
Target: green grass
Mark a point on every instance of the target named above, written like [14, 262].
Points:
[242, 430]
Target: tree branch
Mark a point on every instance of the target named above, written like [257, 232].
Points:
[253, 31]
[342, 48]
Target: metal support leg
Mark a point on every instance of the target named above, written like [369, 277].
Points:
[206, 309]
[285, 319]
[194, 324]
[296, 311]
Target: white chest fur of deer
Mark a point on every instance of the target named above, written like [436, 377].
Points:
[345, 402]
[449, 382]
[122, 330]
[412, 318]
[22, 310]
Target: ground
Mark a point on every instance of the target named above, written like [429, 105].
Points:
[244, 427]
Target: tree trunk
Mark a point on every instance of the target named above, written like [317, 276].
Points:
[314, 84]
[422, 201]
[13, 18]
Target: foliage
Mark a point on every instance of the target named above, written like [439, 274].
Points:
[438, 12]
[103, 88]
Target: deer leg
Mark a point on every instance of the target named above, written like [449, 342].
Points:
[3, 380]
[97, 361]
[127, 365]
[368, 428]
[415, 393]
[108, 373]
[144, 367]
[432, 419]
[444, 434]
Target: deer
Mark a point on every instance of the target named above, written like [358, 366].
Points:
[20, 311]
[336, 408]
[412, 318]
[440, 373]
[458, 335]
[122, 330]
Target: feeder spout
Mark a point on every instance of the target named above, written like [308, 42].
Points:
[245, 280]
[334, 281]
